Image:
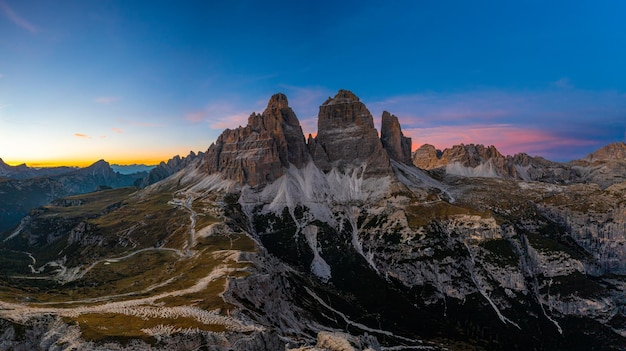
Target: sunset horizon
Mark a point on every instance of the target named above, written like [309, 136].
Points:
[113, 79]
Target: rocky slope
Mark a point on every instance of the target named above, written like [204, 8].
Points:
[605, 167]
[272, 243]
[166, 169]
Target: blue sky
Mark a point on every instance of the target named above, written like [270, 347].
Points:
[141, 81]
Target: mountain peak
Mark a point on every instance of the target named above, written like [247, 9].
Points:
[347, 137]
[611, 152]
[398, 146]
[342, 97]
[260, 152]
[277, 102]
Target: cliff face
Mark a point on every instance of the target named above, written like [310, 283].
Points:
[166, 169]
[346, 138]
[259, 152]
[398, 146]
[475, 160]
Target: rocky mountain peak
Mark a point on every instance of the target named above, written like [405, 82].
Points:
[611, 152]
[346, 137]
[342, 97]
[260, 152]
[100, 165]
[427, 157]
[398, 146]
[277, 102]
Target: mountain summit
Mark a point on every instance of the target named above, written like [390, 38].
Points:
[259, 152]
[273, 141]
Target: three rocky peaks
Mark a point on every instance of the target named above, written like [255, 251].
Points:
[273, 141]
[347, 141]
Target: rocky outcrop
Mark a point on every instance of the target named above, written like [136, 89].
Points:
[611, 152]
[475, 160]
[427, 157]
[346, 138]
[166, 169]
[605, 167]
[261, 151]
[470, 155]
[398, 146]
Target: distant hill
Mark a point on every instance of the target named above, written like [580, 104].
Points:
[24, 172]
[130, 169]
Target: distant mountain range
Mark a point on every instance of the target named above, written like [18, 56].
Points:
[605, 167]
[130, 169]
[23, 171]
[38, 187]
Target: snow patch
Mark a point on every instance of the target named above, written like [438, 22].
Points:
[485, 170]
[319, 267]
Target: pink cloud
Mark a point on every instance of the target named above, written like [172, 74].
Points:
[17, 19]
[195, 117]
[220, 115]
[83, 136]
[309, 126]
[231, 121]
[117, 130]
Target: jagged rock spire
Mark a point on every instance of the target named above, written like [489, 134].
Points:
[398, 146]
[346, 137]
[260, 152]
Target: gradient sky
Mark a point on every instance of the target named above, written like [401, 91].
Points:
[141, 81]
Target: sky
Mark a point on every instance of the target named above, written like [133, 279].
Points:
[142, 81]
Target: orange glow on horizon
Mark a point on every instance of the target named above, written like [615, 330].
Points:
[85, 163]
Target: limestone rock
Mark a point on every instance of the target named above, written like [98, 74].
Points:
[166, 169]
[427, 157]
[398, 146]
[347, 136]
[611, 152]
[480, 161]
[259, 152]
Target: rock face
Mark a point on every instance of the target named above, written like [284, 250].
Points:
[475, 160]
[605, 167]
[611, 152]
[398, 146]
[166, 169]
[346, 137]
[260, 152]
